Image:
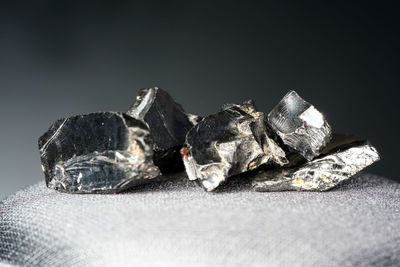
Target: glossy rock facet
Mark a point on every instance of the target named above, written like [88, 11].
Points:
[300, 125]
[168, 124]
[344, 160]
[227, 143]
[98, 152]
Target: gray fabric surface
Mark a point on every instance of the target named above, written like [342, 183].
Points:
[176, 223]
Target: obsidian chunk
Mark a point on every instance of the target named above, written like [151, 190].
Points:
[227, 143]
[168, 124]
[300, 125]
[97, 152]
[342, 158]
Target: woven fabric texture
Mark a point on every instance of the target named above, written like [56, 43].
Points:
[177, 223]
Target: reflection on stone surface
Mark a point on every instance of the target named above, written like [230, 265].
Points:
[227, 143]
[111, 151]
[342, 159]
[300, 125]
[168, 124]
[97, 152]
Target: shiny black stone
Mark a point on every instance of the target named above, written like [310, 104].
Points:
[342, 158]
[227, 143]
[168, 124]
[98, 152]
[300, 125]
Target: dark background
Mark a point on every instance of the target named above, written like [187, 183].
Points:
[59, 58]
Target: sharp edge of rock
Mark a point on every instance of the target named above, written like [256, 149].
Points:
[300, 125]
[342, 159]
[99, 152]
[168, 124]
[230, 142]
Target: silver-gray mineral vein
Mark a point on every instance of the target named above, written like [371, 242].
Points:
[98, 152]
[300, 125]
[227, 143]
[322, 173]
[168, 124]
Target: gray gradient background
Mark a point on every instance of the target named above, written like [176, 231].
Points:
[59, 58]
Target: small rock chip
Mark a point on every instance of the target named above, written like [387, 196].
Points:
[168, 124]
[99, 152]
[300, 125]
[227, 143]
[342, 159]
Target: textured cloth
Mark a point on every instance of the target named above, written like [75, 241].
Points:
[177, 223]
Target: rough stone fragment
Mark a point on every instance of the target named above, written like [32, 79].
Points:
[168, 124]
[227, 143]
[341, 159]
[98, 152]
[300, 125]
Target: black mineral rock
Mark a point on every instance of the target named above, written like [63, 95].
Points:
[168, 124]
[341, 159]
[300, 125]
[98, 152]
[227, 143]
[290, 149]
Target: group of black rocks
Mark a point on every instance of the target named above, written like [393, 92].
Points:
[292, 148]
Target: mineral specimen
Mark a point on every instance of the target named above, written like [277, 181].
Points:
[98, 152]
[168, 124]
[300, 125]
[111, 151]
[227, 143]
[341, 159]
